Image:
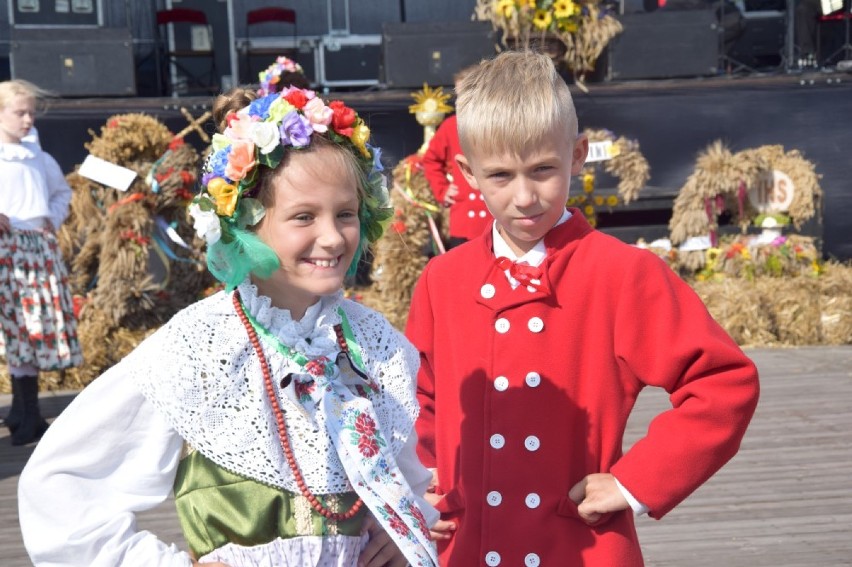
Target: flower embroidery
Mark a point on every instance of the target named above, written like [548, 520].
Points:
[365, 425]
[317, 366]
[368, 446]
[396, 523]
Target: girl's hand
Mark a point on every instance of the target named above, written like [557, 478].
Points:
[381, 551]
[442, 530]
[5, 225]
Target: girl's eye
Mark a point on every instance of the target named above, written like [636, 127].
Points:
[348, 214]
[303, 217]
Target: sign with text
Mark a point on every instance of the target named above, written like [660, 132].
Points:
[601, 151]
[773, 193]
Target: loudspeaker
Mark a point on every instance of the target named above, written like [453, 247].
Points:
[432, 52]
[665, 44]
[350, 60]
[75, 62]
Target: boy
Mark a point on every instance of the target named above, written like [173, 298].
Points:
[468, 215]
[530, 370]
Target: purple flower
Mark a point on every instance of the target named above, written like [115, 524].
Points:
[295, 130]
[377, 158]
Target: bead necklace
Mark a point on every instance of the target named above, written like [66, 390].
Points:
[282, 427]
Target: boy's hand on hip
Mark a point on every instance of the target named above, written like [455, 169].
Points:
[597, 496]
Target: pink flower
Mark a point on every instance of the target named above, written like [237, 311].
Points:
[240, 160]
[240, 126]
[318, 114]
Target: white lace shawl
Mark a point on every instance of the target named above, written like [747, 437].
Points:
[201, 371]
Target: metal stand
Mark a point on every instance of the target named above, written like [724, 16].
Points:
[846, 48]
[728, 64]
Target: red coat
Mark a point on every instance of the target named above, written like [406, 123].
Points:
[469, 217]
[523, 394]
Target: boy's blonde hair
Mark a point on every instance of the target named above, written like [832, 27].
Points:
[19, 87]
[511, 102]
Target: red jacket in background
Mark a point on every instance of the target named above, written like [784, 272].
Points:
[468, 216]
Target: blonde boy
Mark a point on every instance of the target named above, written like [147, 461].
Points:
[536, 339]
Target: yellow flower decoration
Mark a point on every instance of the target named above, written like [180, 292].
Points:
[599, 200]
[589, 210]
[588, 182]
[563, 9]
[612, 200]
[506, 8]
[542, 19]
[360, 136]
[224, 194]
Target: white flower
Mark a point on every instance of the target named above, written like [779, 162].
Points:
[206, 224]
[265, 136]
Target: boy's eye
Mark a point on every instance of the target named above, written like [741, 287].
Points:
[304, 217]
[348, 214]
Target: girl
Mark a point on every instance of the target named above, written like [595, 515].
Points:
[280, 413]
[37, 326]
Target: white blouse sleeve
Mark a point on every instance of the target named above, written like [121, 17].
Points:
[107, 456]
[58, 191]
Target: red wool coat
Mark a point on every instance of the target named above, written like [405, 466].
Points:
[524, 394]
[469, 217]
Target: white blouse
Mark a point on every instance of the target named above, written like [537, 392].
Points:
[115, 449]
[32, 187]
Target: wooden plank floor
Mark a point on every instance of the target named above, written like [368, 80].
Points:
[784, 500]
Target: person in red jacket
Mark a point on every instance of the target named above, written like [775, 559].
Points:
[469, 216]
[536, 339]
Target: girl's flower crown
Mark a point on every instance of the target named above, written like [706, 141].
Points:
[258, 136]
[270, 78]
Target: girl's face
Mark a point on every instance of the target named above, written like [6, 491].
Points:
[16, 119]
[313, 227]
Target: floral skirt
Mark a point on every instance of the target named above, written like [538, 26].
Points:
[37, 323]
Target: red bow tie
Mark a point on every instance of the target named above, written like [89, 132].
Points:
[524, 273]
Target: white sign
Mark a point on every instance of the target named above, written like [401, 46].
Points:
[601, 151]
[773, 192]
[107, 173]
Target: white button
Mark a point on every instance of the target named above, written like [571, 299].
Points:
[494, 498]
[502, 325]
[482, 214]
[471, 214]
[487, 291]
[501, 383]
[497, 441]
[532, 560]
[536, 325]
[472, 196]
[532, 500]
[481, 198]
[492, 558]
[533, 379]
[532, 443]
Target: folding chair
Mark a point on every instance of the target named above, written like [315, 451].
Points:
[269, 21]
[185, 38]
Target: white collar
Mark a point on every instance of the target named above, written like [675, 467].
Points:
[535, 256]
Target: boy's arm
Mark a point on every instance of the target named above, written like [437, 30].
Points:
[665, 337]
[419, 330]
[435, 162]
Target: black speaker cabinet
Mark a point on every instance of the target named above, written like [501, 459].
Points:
[665, 44]
[432, 52]
[75, 62]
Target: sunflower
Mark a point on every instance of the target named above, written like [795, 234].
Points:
[563, 9]
[612, 200]
[542, 19]
[506, 8]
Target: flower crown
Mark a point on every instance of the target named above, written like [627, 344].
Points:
[258, 136]
[271, 76]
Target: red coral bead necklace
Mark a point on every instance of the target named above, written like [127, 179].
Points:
[282, 427]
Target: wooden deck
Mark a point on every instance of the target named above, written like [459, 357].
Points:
[784, 500]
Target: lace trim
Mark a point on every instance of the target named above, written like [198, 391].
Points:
[199, 370]
[314, 551]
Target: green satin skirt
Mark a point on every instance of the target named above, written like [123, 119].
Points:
[217, 507]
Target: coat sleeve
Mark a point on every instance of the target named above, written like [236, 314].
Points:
[109, 455]
[665, 337]
[420, 331]
[58, 191]
[435, 161]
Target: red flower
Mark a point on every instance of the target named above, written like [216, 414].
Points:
[398, 227]
[368, 446]
[176, 143]
[398, 525]
[304, 389]
[365, 425]
[316, 367]
[297, 98]
[343, 118]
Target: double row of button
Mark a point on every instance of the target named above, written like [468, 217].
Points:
[492, 559]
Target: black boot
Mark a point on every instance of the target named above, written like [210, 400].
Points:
[33, 425]
[16, 413]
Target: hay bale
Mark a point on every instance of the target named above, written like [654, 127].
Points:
[794, 308]
[738, 306]
[835, 299]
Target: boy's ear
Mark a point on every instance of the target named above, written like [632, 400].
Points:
[464, 166]
[579, 155]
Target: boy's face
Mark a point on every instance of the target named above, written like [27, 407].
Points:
[526, 193]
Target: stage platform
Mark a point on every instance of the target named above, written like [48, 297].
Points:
[673, 120]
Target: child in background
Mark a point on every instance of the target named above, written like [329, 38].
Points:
[38, 330]
[469, 217]
[536, 339]
[279, 413]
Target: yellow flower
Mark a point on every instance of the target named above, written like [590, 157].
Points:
[745, 253]
[589, 210]
[593, 222]
[599, 200]
[572, 201]
[712, 255]
[581, 199]
[542, 19]
[224, 194]
[612, 200]
[360, 135]
[563, 9]
[589, 182]
[506, 8]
